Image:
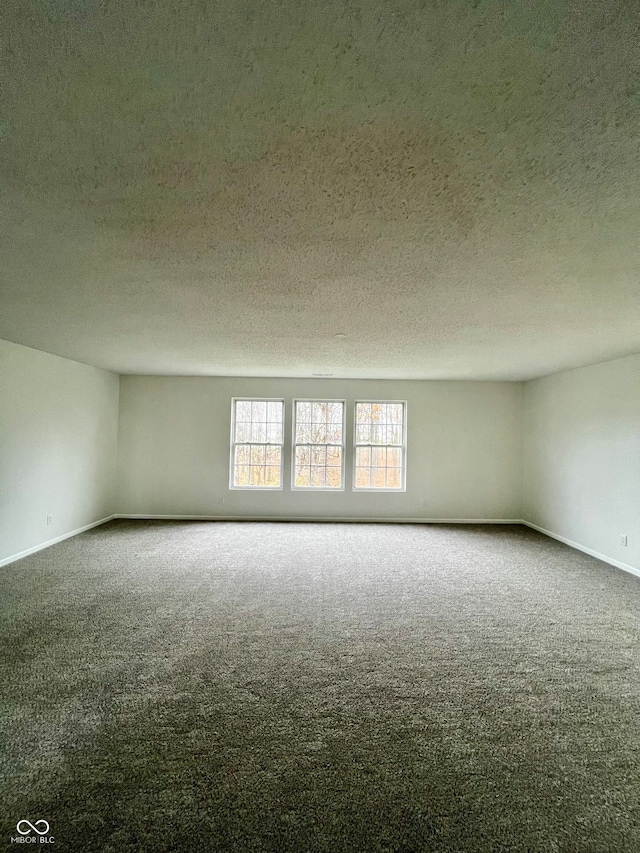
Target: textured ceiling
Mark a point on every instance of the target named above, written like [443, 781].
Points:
[203, 187]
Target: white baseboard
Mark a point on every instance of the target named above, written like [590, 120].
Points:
[612, 562]
[50, 542]
[317, 518]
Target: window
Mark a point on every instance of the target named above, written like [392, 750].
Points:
[318, 447]
[380, 446]
[256, 444]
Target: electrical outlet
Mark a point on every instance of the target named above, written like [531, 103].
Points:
[424, 503]
[220, 500]
[623, 538]
[49, 519]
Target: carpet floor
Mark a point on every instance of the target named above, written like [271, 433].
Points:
[320, 687]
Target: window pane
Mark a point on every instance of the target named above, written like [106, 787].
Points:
[379, 456]
[319, 422]
[273, 475]
[334, 413]
[318, 412]
[303, 475]
[273, 455]
[241, 476]
[303, 432]
[257, 454]
[312, 471]
[394, 478]
[334, 456]
[243, 410]
[243, 454]
[257, 475]
[394, 434]
[303, 413]
[274, 433]
[363, 456]
[363, 413]
[334, 434]
[303, 456]
[259, 410]
[362, 478]
[394, 457]
[258, 431]
[318, 455]
[363, 434]
[378, 434]
[318, 433]
[378, 412]
[378, 479]
[243, 431]
[274, 412]
[394, 413]
[334, 478]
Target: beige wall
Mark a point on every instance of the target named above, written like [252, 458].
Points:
[58, 447]
[464, 448]
[581, 467]
[562, 452]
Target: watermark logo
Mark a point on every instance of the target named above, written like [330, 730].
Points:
[33, 833]
[32, 827]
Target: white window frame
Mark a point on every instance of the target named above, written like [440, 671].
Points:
[295, 444]
[403, 447]
[233, 444]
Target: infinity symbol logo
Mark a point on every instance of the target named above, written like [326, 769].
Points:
[32, 827]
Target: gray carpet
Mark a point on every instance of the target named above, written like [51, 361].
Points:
[300, 687]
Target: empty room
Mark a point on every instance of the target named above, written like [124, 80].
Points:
[320, 426]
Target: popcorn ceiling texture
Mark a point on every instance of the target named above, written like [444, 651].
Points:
[219, 188]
